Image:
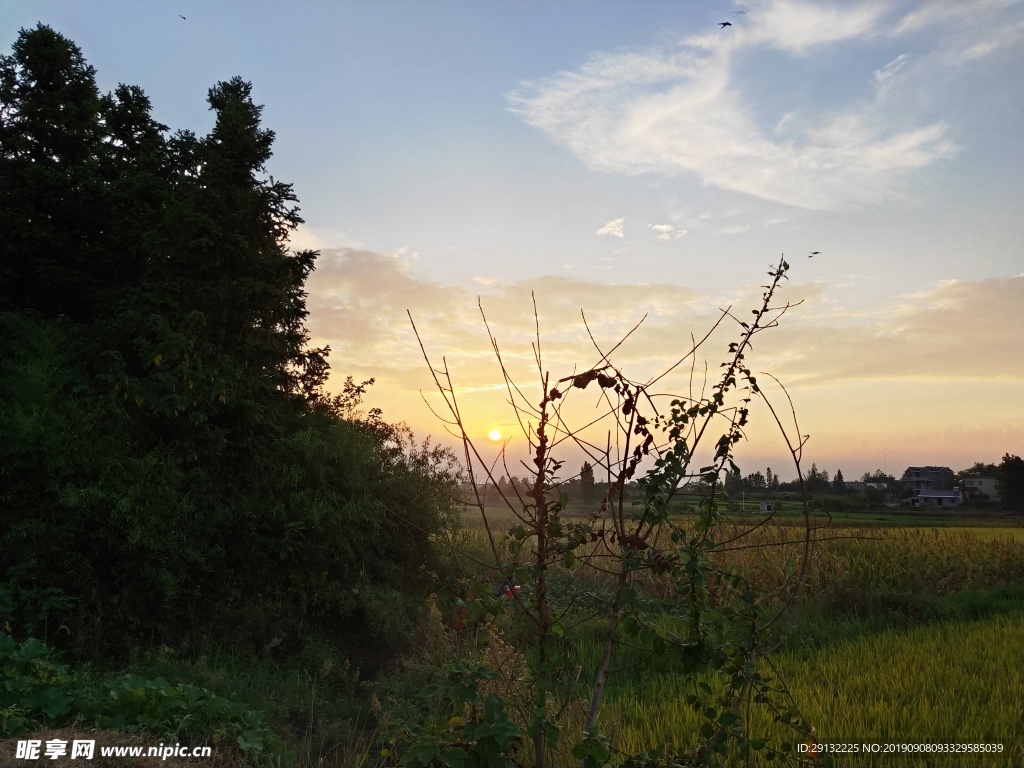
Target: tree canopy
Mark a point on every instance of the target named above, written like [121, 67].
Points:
[1010, 481]
[173, 464]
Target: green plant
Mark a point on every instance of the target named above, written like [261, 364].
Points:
[38, 689]
[478, 734]
[34, 685]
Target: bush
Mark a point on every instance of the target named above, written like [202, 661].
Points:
[37, 689]
[308, 523]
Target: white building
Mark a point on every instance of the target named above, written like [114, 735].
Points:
[929, 498]
[975, 487]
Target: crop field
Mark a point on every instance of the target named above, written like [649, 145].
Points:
[935, 684]
[910, 634]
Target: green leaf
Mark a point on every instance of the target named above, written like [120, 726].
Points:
[454, 758]
[728, 718]
[551, 731]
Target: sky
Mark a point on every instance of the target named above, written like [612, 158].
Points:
[636, 160]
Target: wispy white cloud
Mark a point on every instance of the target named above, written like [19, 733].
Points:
[735, 229]
[666, 232]
[684, 110]
[889, 70]
[306, 237]
[965, 32]
[799, 27]
[613, 228]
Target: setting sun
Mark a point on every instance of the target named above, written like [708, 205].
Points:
[494, 435]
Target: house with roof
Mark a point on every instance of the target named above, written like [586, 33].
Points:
[929, 479]
[930, 498]
[980, 488]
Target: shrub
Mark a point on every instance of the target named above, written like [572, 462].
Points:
[37, 689]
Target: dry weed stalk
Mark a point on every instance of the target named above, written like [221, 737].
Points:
[656, 439]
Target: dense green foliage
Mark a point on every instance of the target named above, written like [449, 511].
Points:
[1010, 481]
[172, 468]
[38, 688]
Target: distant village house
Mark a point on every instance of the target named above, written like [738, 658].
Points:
[929, 479]
[927, 498]
[932, 487]
[981, 488]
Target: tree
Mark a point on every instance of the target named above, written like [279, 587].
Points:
[165, 425]
[817, 480]
[52, 194]
[838, 484]
[1010, 482]
[587, 482]
[229, 249]
[892, 485]
[978, 469]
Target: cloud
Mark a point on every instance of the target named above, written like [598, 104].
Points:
[358, 302]
[799, 27]
[890, 69]
[613, 228]
[904, 363]
[965, 32]
[306, 237]
[666, 232]
[735, 229]
[952, 330]
[687, 110]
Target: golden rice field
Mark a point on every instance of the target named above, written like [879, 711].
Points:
[936, 684]
[988, 532]
[855, 565]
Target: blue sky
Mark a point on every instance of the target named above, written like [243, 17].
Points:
[631, 158]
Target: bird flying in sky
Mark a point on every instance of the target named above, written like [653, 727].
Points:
[724, 24]
[182, 17]
[813, 254]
